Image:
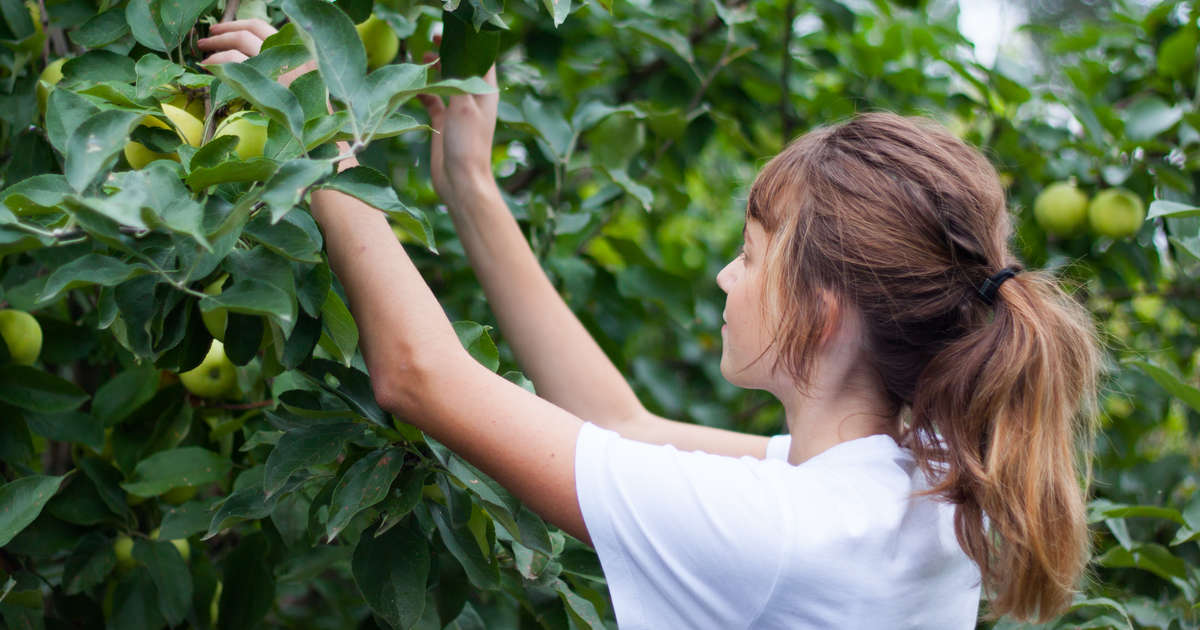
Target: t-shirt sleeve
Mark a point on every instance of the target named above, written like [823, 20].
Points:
[778, 447]
[688, 536]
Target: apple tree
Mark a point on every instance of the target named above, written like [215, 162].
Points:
[194, 441]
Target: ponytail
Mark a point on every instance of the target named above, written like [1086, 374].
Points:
[905, 222]
[1014, 401]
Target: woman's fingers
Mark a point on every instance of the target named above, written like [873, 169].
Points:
[243, 40]
[225, 56]
[256, 26]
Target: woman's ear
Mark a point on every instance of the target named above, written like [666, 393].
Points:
[833, 315]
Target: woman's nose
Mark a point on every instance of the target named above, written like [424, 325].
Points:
[725, 277]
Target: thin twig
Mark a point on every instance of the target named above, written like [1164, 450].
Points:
[785, 110]
[231, 7]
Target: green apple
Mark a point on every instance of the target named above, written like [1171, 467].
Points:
[48, 79]
[193, 106]
[215, 319]
[22, 334]
[215, 377]
[181, 544]
[380, 41]
[189, 127]
[1060, 208]
[1116, 213]
[123, 547]
[250, 127]
[182, 494]
[1148, 307]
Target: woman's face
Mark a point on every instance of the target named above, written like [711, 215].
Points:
[745, 335]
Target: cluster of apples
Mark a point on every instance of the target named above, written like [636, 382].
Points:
[1062, 209]
[184, 114]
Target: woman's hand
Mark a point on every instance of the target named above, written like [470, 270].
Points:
[239, 40]
[460, 152]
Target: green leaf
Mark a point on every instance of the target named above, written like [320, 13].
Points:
[187, 519]
[366, 483]
[161, 25]
[475, 339]
[155, 75]
[119, 396]
[184, 466]
[249, 585]
[255, 169]
[255, 297]
[559, 9]
[100, 66]
[374, 189]
[341, 59]
[243, 504]
[289, 237]
[305, 447]
[340, 336]
[1177, 388]
[170, 574]
[1163, 208]
[265, 94]
[67, 426]
[107, 481]
[393, 84]
[287, 186]
[354, 387]
[65, 111]
[1150, 116]
[94, 145]
[1177, 54]
[463, 546]
[101, 29]
[139, 16]
[22, 500]
[1147, 556]
[390, 571]
[89, 563]
[86, 271]
[30, 388]
[135, 603]
[36, 195]
[583, 612]
[403, 499]
[465, 51]
[551, 126]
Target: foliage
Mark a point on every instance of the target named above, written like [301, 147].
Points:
[629, 133]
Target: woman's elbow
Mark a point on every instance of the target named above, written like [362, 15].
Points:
[401, 388]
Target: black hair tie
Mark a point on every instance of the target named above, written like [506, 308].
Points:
[987, 292]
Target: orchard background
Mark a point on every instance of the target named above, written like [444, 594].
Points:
[269, 488]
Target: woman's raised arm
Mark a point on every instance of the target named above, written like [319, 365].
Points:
[565, 363]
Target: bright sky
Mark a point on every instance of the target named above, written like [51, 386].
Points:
[991, 24]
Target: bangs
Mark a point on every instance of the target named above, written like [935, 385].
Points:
[778, 185]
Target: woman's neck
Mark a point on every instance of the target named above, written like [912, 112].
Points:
[816, 425]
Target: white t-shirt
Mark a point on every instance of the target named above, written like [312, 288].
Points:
[693, 540]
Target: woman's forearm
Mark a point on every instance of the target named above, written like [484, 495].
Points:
[402, 327]
[566, 365]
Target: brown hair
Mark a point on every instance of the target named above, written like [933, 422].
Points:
[902, 221]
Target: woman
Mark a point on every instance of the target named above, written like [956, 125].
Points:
[934, 391]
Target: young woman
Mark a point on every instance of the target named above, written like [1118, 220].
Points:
[935, 393]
